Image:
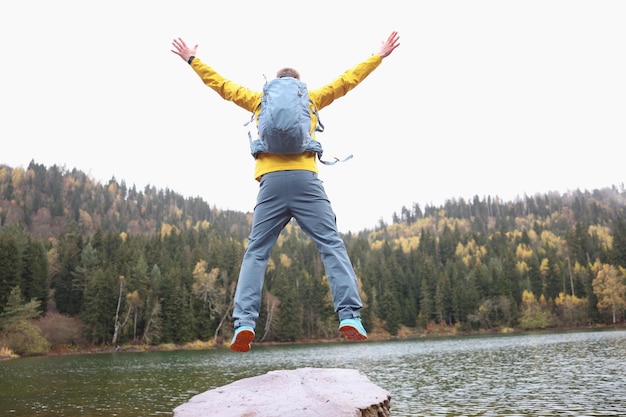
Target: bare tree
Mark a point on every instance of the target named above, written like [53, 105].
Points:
[206, 288]
[117, 324]
[273, 304]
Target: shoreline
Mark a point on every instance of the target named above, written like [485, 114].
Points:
[407, 334]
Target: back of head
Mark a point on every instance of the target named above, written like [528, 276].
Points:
[288, 72]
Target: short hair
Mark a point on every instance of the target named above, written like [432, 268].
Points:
[288, 72]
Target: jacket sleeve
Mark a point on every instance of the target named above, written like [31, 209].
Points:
[325, 95]
[228, 90]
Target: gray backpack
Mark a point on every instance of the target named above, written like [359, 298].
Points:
[284, 121]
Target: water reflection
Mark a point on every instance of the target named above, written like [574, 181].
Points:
[573, 374]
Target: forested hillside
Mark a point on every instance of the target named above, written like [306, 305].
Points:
[107, 264]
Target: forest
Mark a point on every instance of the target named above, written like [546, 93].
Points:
[89, 264]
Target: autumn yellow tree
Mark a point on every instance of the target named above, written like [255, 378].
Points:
[610, 287]
[134, 305]
[571, 309]
[534, 314]
[205, 287]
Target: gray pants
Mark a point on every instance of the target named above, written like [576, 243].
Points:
[298, 194]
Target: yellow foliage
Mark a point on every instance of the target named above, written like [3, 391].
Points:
[528, 298]
[200, 268]
[425, 223]
[549, 239]
[376, 245]
[523, 252]
[204, 283]
[199, 345]
[566, 299]
[133, 299]
[84, 220]
[596, 266]
[168, 346]
[463, 225]
[271, 265]
[17, 176]
[359, 282]
[285, 260]
[522, 267]
[5, 352]
[471, 253]
[166, 229]
[526, 223]
[579, 269]
[202, 225]
[572, 310]
[610, 288]
[544, 268]
[604, 235]
[461, 250]
[408, 244]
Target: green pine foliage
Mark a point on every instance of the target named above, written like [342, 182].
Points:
[18, 331]
[91, 253]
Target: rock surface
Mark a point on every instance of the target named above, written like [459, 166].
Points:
[304, 392]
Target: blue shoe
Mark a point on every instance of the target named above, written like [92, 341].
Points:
[352, 329]
[243, 337]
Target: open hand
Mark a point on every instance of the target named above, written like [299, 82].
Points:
[182, 50]
[389, 45]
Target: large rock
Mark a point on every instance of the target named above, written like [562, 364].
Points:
[305, 392]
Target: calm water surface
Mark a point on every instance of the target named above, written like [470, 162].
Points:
[566, 374]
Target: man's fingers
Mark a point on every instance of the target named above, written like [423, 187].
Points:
[179, 43]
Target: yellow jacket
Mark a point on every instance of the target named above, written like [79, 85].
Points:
[249, 100]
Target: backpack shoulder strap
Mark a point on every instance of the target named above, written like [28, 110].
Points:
[319, 127]
[335, 160]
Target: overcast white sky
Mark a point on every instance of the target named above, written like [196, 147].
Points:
[500, 98]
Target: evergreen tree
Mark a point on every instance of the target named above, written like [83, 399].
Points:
[290, 314]
[443, 299]
[69, 299]
[177, 315]
[427, 273]
[17, 330]
[465, 297]
[9, 268]
[390, 311]
[35, 282]
[98, 313]
[534, 275]
[618, 256]
[152, 330]
[447, 244]
[317, 308]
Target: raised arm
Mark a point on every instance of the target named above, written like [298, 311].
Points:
[228, 90]
[325, 95]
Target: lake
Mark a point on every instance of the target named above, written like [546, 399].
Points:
[558, 374]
